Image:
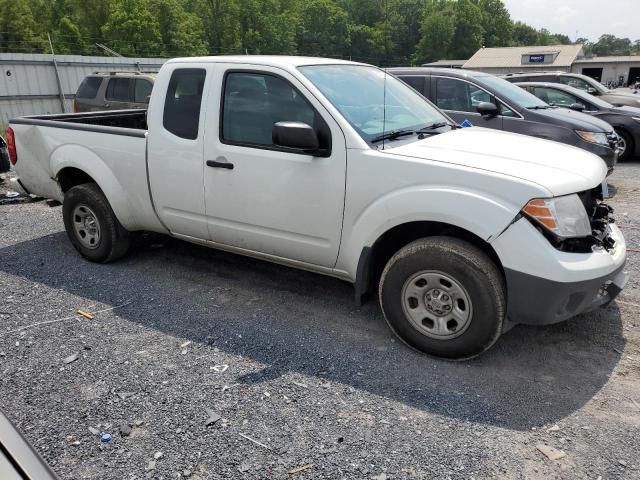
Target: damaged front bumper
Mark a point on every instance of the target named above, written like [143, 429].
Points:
[540, 301]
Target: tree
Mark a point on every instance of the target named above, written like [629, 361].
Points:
[467, 36]
[496, 23]
[437, 32]
[221, 24]
[523, 35]
[612, 45]
[132, 29]
[268, 26]
[18, 28]
[67, 38]
[323, 30]
[182, 32]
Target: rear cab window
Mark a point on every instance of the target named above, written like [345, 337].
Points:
[183, 102]
[118, 89]
[89, 87]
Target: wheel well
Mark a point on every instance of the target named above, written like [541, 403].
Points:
[393, 240]
[70, 177]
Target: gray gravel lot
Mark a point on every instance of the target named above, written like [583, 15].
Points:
[297, 374]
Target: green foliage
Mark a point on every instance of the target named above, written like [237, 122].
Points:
[323, 29]
[437, 31]
[384, 32]
[133, 29]
[18, 28]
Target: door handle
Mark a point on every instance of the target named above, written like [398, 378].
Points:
[216, 164]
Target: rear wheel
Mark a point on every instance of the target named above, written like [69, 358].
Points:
[91, 225]
[626, 145]
[444, 296]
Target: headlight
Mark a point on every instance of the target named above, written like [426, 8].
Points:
[593, 137]
[564, 216]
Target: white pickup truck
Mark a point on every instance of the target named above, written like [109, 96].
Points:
[341, 169]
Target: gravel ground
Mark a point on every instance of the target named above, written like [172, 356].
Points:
[209, 365]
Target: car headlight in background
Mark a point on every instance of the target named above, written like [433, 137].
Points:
[593, 137]
[564, 216]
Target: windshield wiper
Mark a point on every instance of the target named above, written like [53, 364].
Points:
[434, 126]
[392, 135]
[539, 107]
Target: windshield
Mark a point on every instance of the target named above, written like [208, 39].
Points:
[514, 94]
[358, 92]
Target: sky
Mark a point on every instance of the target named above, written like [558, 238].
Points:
[591, 18]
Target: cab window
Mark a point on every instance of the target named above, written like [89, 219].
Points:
[254, 102]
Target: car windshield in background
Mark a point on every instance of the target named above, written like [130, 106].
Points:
[513, 93]
[358, 92]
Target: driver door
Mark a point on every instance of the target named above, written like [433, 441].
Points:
[263, 198]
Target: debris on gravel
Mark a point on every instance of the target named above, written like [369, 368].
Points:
[71, 358]
[550, 452]
[212, 417]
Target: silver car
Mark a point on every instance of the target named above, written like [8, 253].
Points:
[114, 91]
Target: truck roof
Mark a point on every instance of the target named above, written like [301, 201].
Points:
[267, 60]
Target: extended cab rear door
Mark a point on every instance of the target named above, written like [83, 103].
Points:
[175, 148]
[258, 196]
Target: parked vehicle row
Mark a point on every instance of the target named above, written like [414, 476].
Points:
[581, 82]
[491, 102]
[341, 169]
[625, 120]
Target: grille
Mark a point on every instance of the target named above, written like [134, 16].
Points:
[600, 216]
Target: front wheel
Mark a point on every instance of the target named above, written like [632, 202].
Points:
[626, 145]
[444, 296]
[91, 225]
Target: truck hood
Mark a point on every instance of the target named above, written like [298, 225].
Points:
[559, 168]
[575, 120]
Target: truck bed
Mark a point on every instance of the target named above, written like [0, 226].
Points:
[116, 122]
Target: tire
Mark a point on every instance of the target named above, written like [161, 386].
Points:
[462, 298]
[630, 145]
[91, 225]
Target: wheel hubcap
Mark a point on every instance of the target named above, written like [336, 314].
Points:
[86, 226]
[437, 305]
[622, 145]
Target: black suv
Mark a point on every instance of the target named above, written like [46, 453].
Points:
[581, 82]
[487, 101]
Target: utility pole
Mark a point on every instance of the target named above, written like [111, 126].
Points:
[55, 66]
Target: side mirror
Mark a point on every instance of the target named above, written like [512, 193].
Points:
[487, 109]
[295, 135]
[578, 107]
[592, 91]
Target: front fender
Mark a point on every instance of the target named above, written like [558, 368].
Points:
[483, 215]
[85, 159]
